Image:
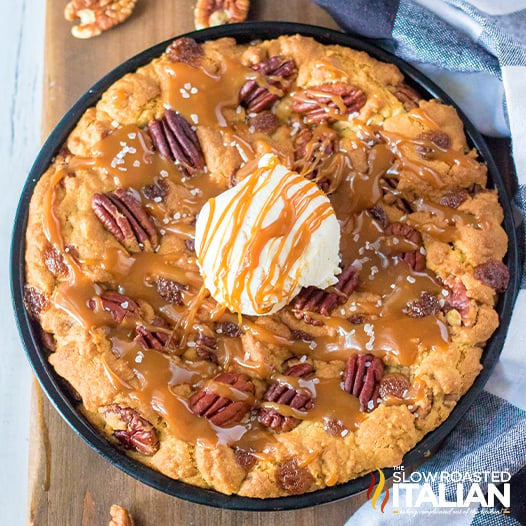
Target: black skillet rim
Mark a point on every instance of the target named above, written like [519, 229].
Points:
[50, 381]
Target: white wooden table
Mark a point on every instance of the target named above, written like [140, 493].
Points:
[22, 52]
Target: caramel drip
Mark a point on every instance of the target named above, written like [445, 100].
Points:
[442, 222]
[75, 304]
[202, 96]
[359, 191]
[336, 111]
[231, 353]
[290, 210]
[126, 155]
[227, 391]
[333, 403]
[402, 337]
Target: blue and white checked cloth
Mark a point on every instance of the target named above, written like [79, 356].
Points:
[476, 51]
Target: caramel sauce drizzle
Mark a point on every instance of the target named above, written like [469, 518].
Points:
[202, 96]
[125, 158]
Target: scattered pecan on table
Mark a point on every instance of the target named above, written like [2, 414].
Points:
[175, 140]
[208, 13]
[328, 102]
[361, 378]
[314, 300]
[123, 216]
[278, 73]
[131, 429]
[219, 410]
[97, 16]
[120, 516]
[286, 395]
[415, 259]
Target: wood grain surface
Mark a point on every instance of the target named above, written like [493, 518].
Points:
[70, 484]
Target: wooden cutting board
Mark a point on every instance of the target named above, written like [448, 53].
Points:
[69, 484]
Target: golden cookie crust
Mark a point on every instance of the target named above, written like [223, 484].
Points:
[69, 246]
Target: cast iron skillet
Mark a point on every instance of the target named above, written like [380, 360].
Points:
[50, 381]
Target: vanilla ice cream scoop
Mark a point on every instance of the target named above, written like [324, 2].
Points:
[260, 242]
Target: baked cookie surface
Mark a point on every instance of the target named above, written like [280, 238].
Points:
[338, 382]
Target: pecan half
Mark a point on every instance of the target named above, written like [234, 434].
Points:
[329, 102]
[392, 196]
[117, 304]
[175, 140]
[123, 216]
[408, 96]
[131, 429]
[264, 122]
[228, 328]
[435, 138]
[54, 262]
[427, 305]
[190, 244]
[97, 16]
[156, 192]
[245, 458]
[493, 273]
[296, 334]
[458, 299]
[120, 516]
[149, 338]
[210, 13]
[311, 151]
[415, 259]
[219, 410]
[361, 378]
[279, 73]
[185, 50]
[206, 348]
[454, 198]
[171, 291]
[394, 384]
[380, 215]
[35, 301]
[356, 319]
[312, 299]
[294, 478]
[283, 394]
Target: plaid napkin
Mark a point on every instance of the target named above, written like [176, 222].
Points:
[476, 51]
